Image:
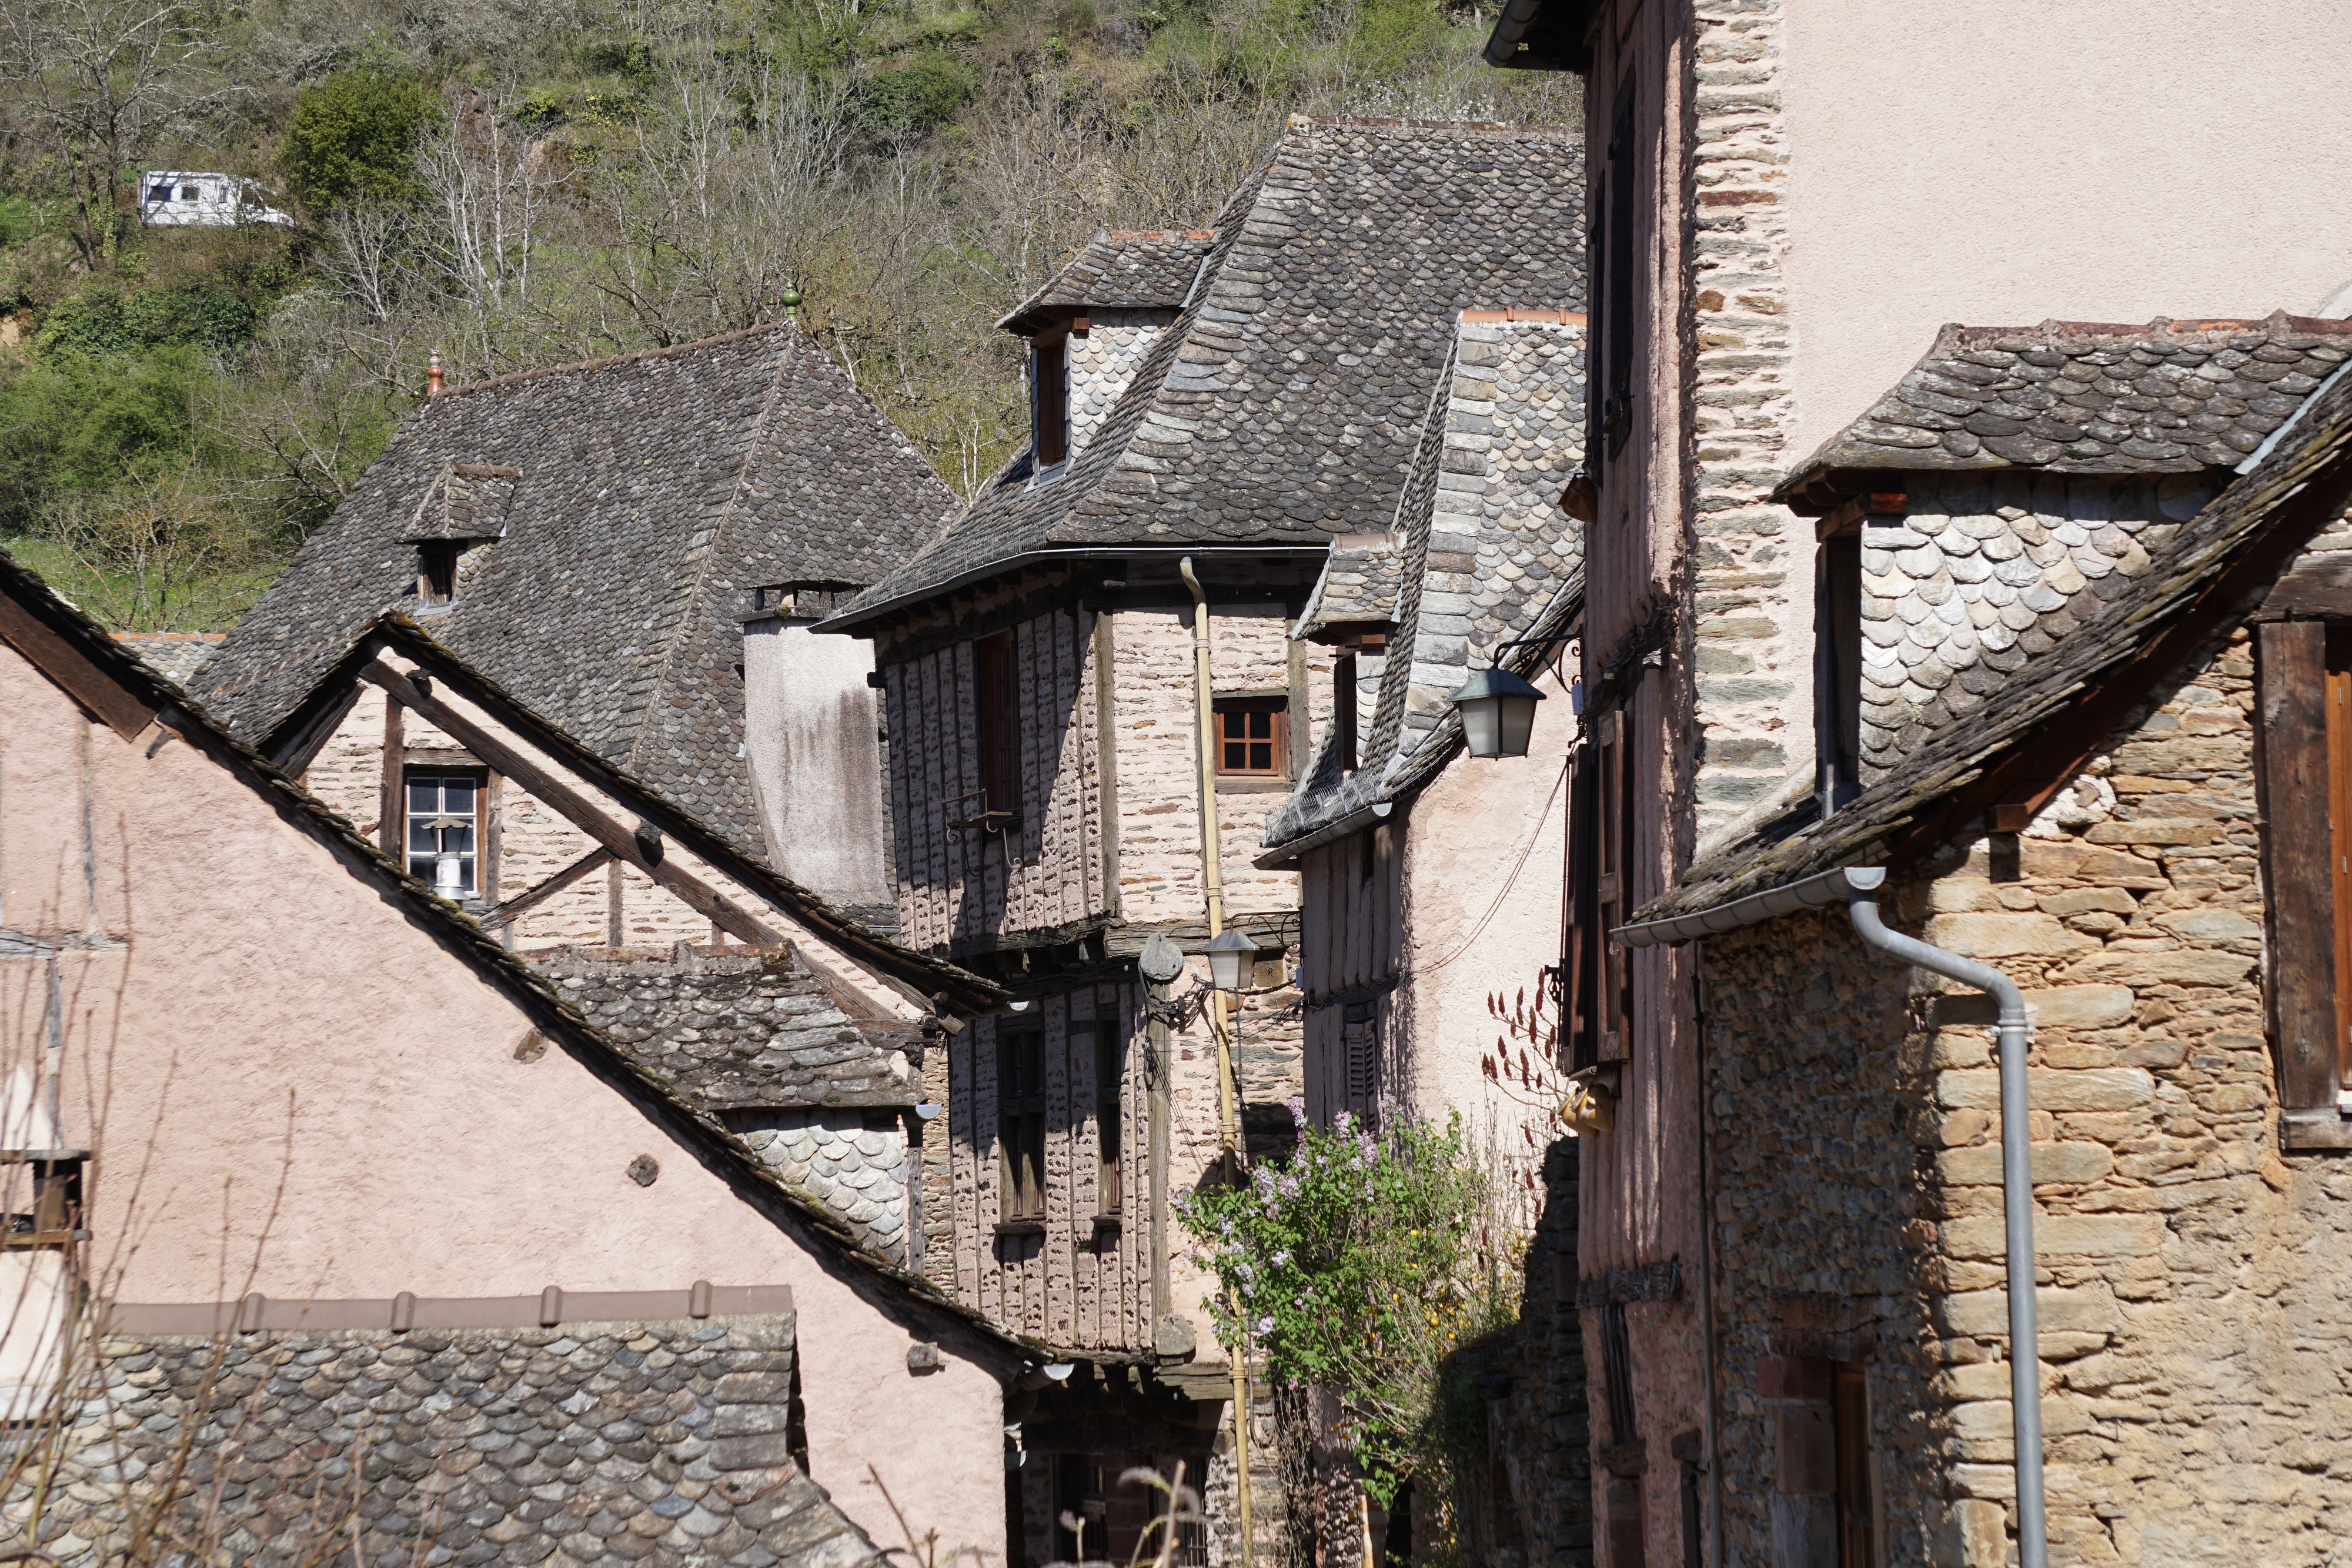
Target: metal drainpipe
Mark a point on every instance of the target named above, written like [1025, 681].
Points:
[2016, 1035]
[1212, 887]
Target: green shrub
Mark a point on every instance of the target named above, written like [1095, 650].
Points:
[87, 422]
[354, 136]
[1361, 1266]
[915, 98]
[99, 322]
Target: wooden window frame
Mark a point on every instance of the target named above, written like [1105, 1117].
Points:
[1049, 397]
[1277, 740]
[996, 690]
[1104, 1040]
[2304, 770]
[1343, 711]
[478, 856]
[1837, 665]
[1020, 1128]
[437, 571]
[1611, 412]
[1596, 992]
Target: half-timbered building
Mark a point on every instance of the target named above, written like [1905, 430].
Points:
[1095, 703]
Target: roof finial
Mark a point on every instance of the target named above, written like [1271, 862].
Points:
[433, 375]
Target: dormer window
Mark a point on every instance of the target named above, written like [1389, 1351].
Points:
[1050, 397]
[465, 507]
[437, 571]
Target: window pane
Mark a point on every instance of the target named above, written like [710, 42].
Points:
[457, 841]
[458, 797]
[424, 794]
[1261, 725]
[1261, 759]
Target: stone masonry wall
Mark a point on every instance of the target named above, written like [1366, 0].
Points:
[594, 1443]
[2193, 1276]
[1751, 579]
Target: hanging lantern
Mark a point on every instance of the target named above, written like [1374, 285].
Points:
[1498, 713]
[1229, 959]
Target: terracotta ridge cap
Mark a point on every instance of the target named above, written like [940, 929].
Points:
[1527, 313]
[1544, 130]
[611, 361]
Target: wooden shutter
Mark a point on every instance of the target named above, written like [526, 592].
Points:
[996, 673]
[2301, 863]
[1053, 373]
[1359, 1040]
[1021, 1125]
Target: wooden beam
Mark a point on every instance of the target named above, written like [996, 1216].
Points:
[568, 803]
[99, 693]
[506, 913]
[392, 796]
[2291, 728]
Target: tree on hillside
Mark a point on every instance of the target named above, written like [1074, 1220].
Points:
[353, 137]
[96, 83]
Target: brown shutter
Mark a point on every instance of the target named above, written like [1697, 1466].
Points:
[2298, 877]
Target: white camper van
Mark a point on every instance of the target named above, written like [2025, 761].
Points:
[171, 198]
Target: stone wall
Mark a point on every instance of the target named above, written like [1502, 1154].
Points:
[601, 1444]
[1751, 579]
[2193, 1334]
[1533, 1506]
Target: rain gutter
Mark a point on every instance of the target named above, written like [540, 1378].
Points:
[1857, 887]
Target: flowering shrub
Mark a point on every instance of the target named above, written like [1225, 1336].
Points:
[1360, 1266]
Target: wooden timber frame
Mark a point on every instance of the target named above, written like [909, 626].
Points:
[951, 991]
[632, 846]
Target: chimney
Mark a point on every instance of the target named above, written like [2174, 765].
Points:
[433, 375]
[812, 744]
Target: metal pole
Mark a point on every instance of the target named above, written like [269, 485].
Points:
[2015, 1032]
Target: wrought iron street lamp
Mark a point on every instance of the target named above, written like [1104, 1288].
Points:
[1229, 955]
[1498, 713]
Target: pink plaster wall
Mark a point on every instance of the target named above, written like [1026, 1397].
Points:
[2009, 162]
[292, 1089]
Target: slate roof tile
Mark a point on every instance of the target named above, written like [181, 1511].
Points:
[1133, 269]
[1481, 555]
[1959, 751]
[656, 490]
[1285, 404]
[2084, 397]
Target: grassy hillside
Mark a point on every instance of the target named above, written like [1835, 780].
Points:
[522, 183]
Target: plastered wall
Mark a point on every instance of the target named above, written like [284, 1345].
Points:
[290, 1089]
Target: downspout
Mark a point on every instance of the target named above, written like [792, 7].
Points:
[1857, 887]
[1212, 887]
[2015, 1031]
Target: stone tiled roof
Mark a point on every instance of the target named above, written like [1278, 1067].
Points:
[2188, 583]
[1129, 270]
[2084, 397]
[654, 491]
[1485, 556]
[739, 1032]
[175, 655]
[1285, 404]
[467, 502]
[1359, 588]
[597, 1444]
